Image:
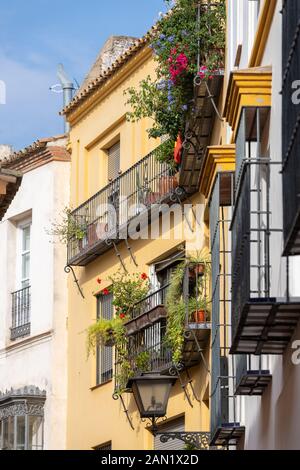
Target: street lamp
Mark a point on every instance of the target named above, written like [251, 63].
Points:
[151, 392]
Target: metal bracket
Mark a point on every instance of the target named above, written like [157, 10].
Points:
[130, 252]
[69, 269]
[111, 242]
[117, 397]
[211, 97]
[197, 440]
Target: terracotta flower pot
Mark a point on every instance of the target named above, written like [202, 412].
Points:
[200, 316]
[200, 269]
[167, 184]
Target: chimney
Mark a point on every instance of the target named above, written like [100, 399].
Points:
[5, 151]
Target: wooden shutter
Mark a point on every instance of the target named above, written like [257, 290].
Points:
[176, 425]
[104, 353]
[114, 161]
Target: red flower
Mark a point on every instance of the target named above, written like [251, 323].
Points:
[105, 292]
[99, 280]
[144, 277]
[122, 316]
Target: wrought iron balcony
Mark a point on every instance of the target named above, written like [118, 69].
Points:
[105, 217]
[21, 305]
[290, 129]
[263, 319]
[261, 324]
[225, 423]
[147, 350]
[251, 378]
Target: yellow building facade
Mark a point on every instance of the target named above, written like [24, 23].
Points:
[98, 122]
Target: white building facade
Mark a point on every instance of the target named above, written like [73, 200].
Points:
[33, 305]
[270, 410]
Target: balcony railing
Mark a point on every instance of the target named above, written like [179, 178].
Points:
[290, 128]
[147, 351]
[252, 378]
[225, 423]
[106, 216]
[148, 311]
[21, 305]
[262, 323]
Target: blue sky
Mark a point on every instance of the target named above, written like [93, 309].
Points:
[37, 35]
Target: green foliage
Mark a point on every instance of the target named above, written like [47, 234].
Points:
[177, 41]
[127, 291]
[165, 154]
[176, 314]
[103, 331]
[69, 227]
[142, 361]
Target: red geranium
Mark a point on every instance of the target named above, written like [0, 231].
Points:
[144, 277]
[122, 316]
[105, 292]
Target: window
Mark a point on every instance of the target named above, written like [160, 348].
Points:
[113, 161]
[104, 353]
[25, 256]
[22, 419]
[176, 425]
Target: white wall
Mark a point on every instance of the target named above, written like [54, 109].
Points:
[42, 362]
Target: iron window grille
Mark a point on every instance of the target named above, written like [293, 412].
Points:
[225, 414]
[262, 322]
[21, 308]
[104, 356]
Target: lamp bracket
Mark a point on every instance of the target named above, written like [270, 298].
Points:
[116, 396]
[198, 440]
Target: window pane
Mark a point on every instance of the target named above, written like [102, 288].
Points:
[8, 434]
[20, 432]
[26, 238]
[25, 266]
[35, 433]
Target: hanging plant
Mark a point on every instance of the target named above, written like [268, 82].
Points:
[184, 46]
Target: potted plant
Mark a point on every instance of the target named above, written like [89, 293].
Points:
[200, 263]
[128, 290]
[198, 309]
[70, 228]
